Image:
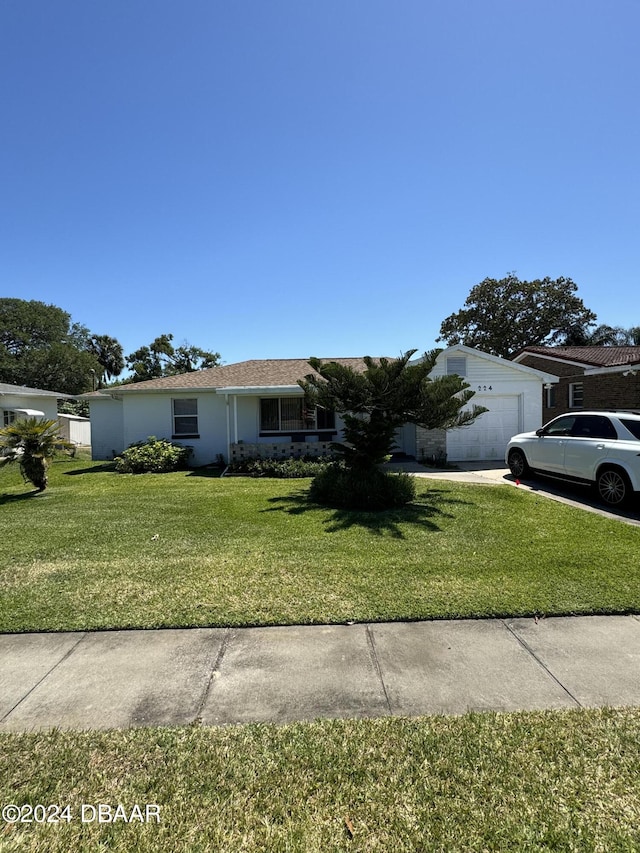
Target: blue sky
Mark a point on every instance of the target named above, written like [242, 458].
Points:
[286, 178]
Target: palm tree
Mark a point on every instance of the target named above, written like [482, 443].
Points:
[602, 336]
[108, 352]
[32, 442]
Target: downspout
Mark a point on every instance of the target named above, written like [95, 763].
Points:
[226, 398]
[235, 418]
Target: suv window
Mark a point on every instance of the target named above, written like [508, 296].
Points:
[632, 426]
[561, 426]
[594, 426]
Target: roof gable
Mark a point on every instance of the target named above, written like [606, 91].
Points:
[463, 349]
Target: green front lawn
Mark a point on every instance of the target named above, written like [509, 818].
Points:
[104, 550]
[527, 782]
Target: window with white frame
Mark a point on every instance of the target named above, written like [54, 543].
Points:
[576, 395]
[290, 414]
[185, 417]
[456, 365]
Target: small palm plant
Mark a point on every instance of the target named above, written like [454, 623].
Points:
[33, 443]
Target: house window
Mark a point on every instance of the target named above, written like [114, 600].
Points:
[575, 395]
[550, 397]
[290, 414]
[8, 417]
[457, 364]
[185, 418]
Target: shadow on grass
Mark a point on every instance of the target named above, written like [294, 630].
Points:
[94, 469]
[211, 471]
[422, 512]
[9, 498]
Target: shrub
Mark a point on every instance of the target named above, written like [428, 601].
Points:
[305, 466]
[152, 456]
[369, 489]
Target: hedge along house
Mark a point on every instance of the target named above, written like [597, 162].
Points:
[511, 392]
[589, 377]
[256, 408]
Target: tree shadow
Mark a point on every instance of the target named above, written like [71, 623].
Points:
[8, 498]
[423, 512]
[210, 471]
[95, 469]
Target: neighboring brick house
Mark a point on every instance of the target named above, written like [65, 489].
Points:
[589, 377]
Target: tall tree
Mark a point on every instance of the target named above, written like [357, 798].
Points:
[388, 394]
[42, 348]
[109, 354]
[161, 358]
[502, 316]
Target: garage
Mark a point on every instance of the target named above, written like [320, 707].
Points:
[487, 438]
[512, 396]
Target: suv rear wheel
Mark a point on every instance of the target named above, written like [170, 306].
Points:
[613, 486]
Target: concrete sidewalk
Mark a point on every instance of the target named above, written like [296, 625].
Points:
[219, 676]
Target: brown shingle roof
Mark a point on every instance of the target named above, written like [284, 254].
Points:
[593, 356]
[260, 373]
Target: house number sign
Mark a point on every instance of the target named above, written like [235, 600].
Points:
[485, 388]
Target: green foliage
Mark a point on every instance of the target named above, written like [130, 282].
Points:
[108, 352]
[152, 456]
[284, 469]
[74, 407]
[364, 489]
[501, 317]
[32, 442]
[386, 395]
[41, 348]
[602, 336]
[161, 358]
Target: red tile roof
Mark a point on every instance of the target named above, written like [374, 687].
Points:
[591, 356]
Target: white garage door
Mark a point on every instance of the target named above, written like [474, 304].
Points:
[488, 435]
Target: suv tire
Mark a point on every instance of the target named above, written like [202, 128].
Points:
[518, 464]
[613, 486]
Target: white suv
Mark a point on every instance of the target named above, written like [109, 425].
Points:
[595, 448]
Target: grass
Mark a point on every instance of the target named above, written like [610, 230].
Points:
[103, 550]
[535, 781]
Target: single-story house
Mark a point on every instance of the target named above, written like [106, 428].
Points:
[257, 408]
[589, 377]
[18, 401]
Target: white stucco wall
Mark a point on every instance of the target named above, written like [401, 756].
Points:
[107, 427]
[47, 405]
[148, 414]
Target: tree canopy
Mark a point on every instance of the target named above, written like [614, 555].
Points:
[602, 336]
[161, 358]
[40, 347]
[503, 316]
[388, 394]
